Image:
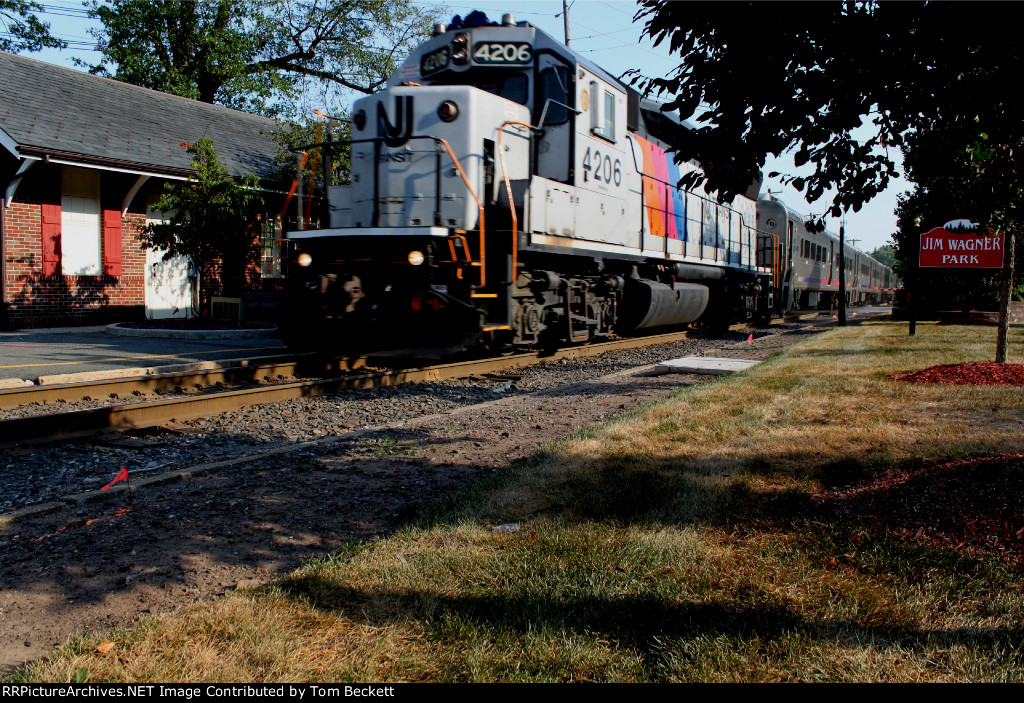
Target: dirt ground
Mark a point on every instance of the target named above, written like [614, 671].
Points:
[133, 554]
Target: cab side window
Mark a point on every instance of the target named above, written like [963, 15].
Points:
[602, 112]
[554, 93]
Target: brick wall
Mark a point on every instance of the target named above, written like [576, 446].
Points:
[35, 300]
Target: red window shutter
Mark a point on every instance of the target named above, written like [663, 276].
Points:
[51, 238]
[112, 242]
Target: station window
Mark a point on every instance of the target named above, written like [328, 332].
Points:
[81, 243]
[271, 243]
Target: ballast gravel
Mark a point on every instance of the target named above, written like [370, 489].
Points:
[50, 473]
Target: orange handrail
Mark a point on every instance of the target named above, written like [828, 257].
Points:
[508, 191]
[451, 248]
[295, 187]
[480, 209]
[313, 168]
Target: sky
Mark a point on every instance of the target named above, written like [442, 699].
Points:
[601, 30]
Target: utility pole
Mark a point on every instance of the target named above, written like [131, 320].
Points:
[565, 19]
[842, 276]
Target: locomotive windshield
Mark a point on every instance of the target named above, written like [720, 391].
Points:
[511, 86]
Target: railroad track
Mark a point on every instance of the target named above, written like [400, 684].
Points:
[211, 399]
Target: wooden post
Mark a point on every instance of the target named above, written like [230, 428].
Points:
[1004, 301]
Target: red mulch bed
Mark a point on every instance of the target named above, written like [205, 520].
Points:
[974, 506]
[970, 373]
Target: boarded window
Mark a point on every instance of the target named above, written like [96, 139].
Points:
[80, 222]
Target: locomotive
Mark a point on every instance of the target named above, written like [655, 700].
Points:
[505, 191]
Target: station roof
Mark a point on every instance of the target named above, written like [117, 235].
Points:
[49, 110]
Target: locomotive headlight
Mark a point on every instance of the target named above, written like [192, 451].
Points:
[448, 111]
[304, 259]
[460, 48]
[359, 120]
[416, 257]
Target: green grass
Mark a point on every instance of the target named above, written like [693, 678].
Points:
[680, 542]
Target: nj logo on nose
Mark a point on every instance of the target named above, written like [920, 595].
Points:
[398, 133]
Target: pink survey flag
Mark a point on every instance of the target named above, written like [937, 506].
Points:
[122, 475]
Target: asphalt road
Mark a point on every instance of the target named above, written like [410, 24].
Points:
[28, 354]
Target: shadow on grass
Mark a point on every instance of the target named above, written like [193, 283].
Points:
[646, 623]
[632, 618]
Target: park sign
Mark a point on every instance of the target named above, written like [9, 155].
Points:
[958, 244]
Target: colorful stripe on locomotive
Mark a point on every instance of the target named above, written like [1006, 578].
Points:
[666, 204]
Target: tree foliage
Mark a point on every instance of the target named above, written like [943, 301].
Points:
[249, 54]
[885, 254]
[210, 217]
[771, 78]
[22, 30]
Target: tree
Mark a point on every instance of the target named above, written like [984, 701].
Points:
[254, 54]
[211, 215]
[22, 30]
[939, 164]
[885, 254]
[331, 161]
[776, 80]
[805, 77]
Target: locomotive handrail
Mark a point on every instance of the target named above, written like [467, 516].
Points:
[479, 206]
[508, 192]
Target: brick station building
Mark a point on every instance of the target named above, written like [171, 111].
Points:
[83, 159]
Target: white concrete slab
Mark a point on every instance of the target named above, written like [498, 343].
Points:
[711, 365]
[14, 383]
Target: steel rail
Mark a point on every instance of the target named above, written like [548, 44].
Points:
[141, 415]
[166, 382]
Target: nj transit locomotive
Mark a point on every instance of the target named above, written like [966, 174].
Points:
[505, 190]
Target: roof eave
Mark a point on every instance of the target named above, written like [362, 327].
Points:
[9, 144]
[58, 156]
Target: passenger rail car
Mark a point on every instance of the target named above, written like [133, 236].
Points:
[806, 261]
[506, 190]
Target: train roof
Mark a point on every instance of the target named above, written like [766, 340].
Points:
[481, 26]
